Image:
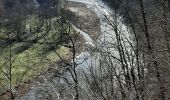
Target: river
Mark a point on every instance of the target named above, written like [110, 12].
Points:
[85, 59]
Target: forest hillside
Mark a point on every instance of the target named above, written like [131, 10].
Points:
[84, 49]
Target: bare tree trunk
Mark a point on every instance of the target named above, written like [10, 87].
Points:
[10, 68]
[158, 75]
[165, 24]
[74, 71]
[145, 25]
[169, 5]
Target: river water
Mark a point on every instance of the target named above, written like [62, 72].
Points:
[86, 59]
[108, 37]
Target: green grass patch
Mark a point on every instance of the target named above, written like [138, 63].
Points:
[28, 59]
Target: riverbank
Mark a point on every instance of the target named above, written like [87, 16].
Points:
[44, 86]
[87, 22]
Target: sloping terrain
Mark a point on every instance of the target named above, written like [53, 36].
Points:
[31, 53]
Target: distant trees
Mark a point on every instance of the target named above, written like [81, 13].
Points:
[144, 18]
[139, 63]
[149, 25]
[132, 64]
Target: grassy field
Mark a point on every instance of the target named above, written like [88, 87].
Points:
[29, 58]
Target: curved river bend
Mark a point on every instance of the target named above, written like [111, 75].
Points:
[107, 37]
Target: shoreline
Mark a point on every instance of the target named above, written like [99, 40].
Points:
[87, 20]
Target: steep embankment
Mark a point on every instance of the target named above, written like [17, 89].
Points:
[30, 54]
[45, 84]
[86, 19]
[50, 87]
[34, 56]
